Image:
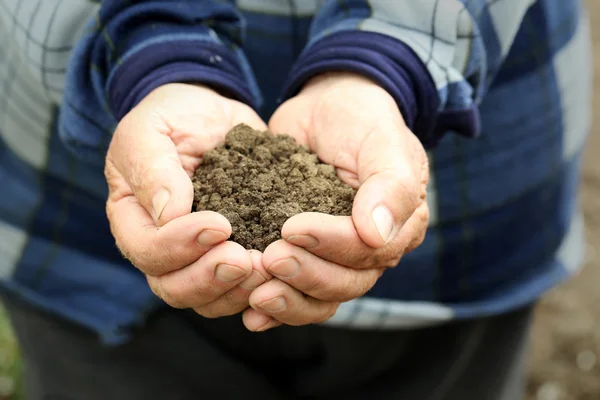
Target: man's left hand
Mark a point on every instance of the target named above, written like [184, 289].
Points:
[323, 260]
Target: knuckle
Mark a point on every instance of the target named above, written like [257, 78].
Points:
[201, 290]
[154, 285]
[157, 264]
[423, 214]
[172, 296]
[411, 190]
[352, 287]
[379, 257]
[208, 312]
[407, 183]
[126, 254]
[417, 241]
[360, 284]
[387, 257]
[110, 215]
[111, 174]
[366, 259]
[304, 319]
[365, 283]
[230, 302]
[420, 238]
[393, 258]
[144, 261]
[164, 292]
[150, 255]
[317, 284]
[329, 311]
[147, 268]
[421, 231]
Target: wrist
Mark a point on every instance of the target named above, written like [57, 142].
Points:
[169, 90]
[336, 90]
[325, 80]
[385, 62]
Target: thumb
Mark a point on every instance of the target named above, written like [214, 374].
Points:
[390, 189]
[149, 163]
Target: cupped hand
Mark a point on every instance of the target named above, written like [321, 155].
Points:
[355, 125]
[152, 156]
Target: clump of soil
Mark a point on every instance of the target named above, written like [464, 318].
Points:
[258, 180]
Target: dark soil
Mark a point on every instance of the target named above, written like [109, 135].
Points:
[258, 180]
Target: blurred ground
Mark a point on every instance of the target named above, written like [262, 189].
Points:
[565, 364]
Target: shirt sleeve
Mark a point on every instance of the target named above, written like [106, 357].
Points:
[437, 58]
[131, 48]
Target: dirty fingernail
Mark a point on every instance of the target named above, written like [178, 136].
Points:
[287, 268]
[254, 281]
[159, 202]
[228, 273]
[384, 221]
[304, 241]
[210, 237]
[274, 305]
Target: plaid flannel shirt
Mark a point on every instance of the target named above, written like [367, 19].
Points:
[498, 91]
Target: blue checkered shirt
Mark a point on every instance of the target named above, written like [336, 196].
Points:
[499, 90]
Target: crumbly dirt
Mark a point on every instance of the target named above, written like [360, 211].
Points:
[258, 180]
[565, 358]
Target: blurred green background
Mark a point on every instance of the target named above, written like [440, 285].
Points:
[10, 364]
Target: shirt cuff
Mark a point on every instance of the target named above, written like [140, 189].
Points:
[395, 67]
[158, 64]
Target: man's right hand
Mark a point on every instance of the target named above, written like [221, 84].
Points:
[154, 152]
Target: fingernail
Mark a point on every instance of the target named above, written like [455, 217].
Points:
[159, 202]
[287, 268]
[304, 241]
[210, 237]
[254, 281]
[272, 323]
[384, 221]
[228, 273]
[274, 305]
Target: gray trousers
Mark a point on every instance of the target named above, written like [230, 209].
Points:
[179, 355]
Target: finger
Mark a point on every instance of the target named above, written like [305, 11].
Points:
[335, 239]
[218, 271]
[259, 274]
[289, 306]
[236, 299]
[316, 277]
[256, 321]
[415, 229]
[390, 188]
[156, 251]
[149, 163]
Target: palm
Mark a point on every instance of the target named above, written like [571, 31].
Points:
[194, 130]
[349, 128]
